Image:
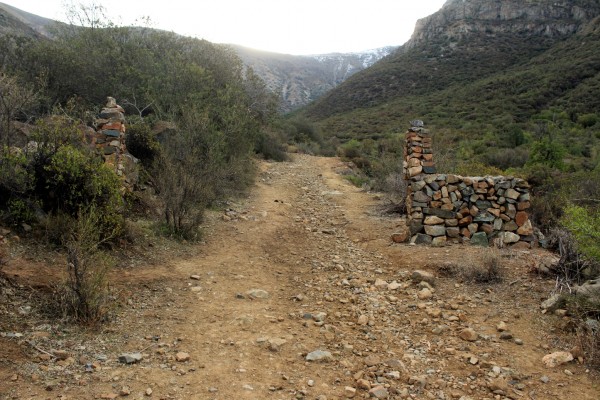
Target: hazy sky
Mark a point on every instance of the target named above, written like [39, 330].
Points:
[283, 26]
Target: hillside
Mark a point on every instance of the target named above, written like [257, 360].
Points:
[18, 22]
[298, 80]
[474, 62]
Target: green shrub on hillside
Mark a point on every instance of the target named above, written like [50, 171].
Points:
[142, 143]
[74, 180]
[584, 225]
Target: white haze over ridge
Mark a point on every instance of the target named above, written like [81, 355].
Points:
[282, 26]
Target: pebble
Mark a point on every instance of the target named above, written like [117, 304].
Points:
[379, 392]
[501, 327]
[425, 294]
[423, 276]
[469, 335]
[319, 355]
[195, 277]
[349, 392]
[557, 358]
[257, 294]
[130, 358]
[182, 356]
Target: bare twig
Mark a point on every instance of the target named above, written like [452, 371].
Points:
[40, 350]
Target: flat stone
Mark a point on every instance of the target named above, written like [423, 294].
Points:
[349, 392]
[484, 216]
[379, 392]
[372, 360]
[509, 237]
[521, 218]
[445, 214]
[555, 302]
[526, 229]
[421, 238]
[182, 356]
[453, 232]
[424, 294]
[524, 205]
[480, 239]
[130, 358]
[435, 230]
[400, 237]
[257, 294]
[433, 220]
[557, 358]
[319, 355]
[421, 197]
[419, 276]
[439, 241]
[363, 384]
[512, 194]
[275, 344]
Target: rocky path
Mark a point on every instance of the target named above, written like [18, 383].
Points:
[300, 294]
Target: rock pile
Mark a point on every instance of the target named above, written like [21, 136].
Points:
[444, 207]
[109, 141]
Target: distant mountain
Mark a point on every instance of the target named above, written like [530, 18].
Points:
[474, 62]
[298, 80]
[20, 23]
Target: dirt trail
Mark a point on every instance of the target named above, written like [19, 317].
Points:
[334, 282]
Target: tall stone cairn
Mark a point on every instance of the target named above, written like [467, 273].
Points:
[109, 141]
[451, 208]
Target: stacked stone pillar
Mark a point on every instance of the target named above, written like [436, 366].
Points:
[451, 208]
[109, 141]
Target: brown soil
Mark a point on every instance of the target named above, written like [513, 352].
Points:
[316, 244]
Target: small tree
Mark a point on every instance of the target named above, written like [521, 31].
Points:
[85, 297]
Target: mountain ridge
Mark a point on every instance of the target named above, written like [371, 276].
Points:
[438, 57]
[297, 80]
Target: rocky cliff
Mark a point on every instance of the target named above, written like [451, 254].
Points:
[550, 18]
[298, 80]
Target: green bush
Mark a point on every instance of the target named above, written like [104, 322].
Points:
[16, 181]
[584, 225]
[74, 180]
[270, 147]
[142, 143]
[85, 296]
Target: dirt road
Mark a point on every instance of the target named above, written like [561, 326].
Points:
[305, 268]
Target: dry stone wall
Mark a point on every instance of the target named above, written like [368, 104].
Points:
[446, 207]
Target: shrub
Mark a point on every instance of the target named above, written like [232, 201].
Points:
[142, 143]
[16, 181]
[73, 180]
[270, 147]
[584, 225]
[85, 297]
[350, 150]
[485, 270]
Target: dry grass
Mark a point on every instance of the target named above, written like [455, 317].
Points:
[484, 269]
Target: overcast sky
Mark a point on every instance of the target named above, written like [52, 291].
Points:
[282, 26]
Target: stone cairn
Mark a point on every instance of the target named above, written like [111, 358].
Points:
[109, 141]
[451, 208]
